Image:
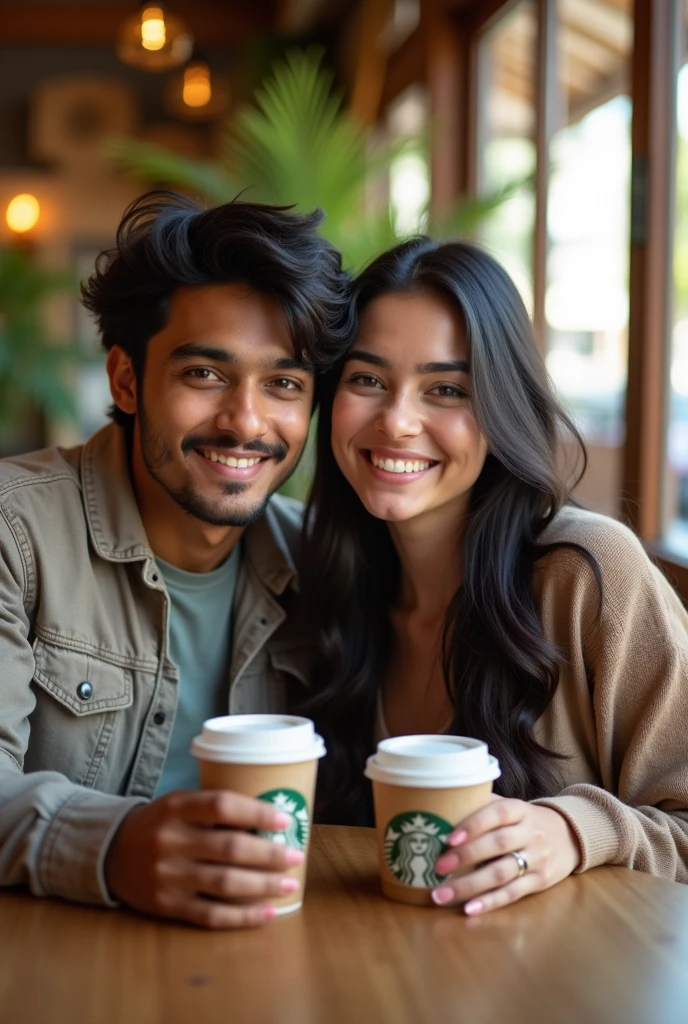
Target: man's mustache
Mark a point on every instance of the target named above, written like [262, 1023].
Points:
[277, 451]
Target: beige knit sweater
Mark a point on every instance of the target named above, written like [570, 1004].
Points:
[620, 712]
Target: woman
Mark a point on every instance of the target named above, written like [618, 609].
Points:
[458, 589]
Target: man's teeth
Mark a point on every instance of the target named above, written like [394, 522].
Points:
[229, 460]
[398, 465]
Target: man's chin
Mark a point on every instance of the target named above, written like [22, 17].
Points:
[229, 510]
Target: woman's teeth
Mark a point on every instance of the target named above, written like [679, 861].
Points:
[229, 460]
[398, 465]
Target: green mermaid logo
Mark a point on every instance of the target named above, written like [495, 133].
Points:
[292, 803]
[413, 842]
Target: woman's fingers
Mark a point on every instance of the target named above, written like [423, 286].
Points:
[224, 846]
[485, 847]
[238, 884]
[497, 873]
[502, 897]
[499, 813]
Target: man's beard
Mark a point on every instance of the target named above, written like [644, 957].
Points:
[156, 455]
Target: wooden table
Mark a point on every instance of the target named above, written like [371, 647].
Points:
[610, 946]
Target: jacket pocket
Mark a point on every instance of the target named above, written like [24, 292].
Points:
[293, 660]
[80, 682]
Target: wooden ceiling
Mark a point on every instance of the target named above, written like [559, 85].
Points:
[215, 23]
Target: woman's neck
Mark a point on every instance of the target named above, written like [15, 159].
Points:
[429, 550]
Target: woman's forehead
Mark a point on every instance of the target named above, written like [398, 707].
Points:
[412, 327]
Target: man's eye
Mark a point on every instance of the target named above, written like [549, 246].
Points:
[202, 373]
[286, 384]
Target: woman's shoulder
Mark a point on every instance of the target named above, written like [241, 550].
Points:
[606, 539]
[593, 549]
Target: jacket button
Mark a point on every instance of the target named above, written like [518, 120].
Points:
[159, 717]
[84, 691]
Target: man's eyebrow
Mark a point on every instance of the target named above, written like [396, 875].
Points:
[453, 366]
[199, 350]
[194, 349]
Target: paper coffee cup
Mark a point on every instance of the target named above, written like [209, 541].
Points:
[273, 758]
[423, 786]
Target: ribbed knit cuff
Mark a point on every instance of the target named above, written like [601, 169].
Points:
[596, 833]
[72, 858]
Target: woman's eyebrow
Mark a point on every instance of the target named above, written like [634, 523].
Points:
[453, 366]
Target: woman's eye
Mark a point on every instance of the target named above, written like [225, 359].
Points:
[366, 380]
[202, 373]
[448, 391]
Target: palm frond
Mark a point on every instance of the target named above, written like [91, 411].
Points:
[155, 164]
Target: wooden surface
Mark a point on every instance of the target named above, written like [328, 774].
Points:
[610, 946]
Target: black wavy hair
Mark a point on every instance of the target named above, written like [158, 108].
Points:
[166, 240]
[500, 670]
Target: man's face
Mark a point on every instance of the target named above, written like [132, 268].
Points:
[223, 408]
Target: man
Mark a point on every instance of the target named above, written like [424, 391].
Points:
[147, 578]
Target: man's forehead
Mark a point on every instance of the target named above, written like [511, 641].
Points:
[264, 357]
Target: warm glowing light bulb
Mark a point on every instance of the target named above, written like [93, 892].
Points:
[196, 91]
[153, 30]
[22, 213]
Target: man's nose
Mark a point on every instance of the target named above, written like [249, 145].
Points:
[243, 413]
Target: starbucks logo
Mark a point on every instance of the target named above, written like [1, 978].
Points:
[413, 842]
[292, 803]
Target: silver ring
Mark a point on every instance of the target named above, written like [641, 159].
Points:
[521, 861]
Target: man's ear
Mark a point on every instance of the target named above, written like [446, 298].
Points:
[122, 379]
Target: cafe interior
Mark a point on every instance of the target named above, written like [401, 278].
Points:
[553, 132]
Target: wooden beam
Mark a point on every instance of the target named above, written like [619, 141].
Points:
[371, 60]
[404, 67]
[653, 133]
[448, 81]
[548, 117]
[98, 24]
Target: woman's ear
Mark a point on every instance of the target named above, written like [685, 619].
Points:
[122, 379]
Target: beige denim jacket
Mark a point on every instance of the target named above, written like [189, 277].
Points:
[81, 601]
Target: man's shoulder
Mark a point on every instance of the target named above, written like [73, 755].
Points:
[284, 516]
[47, 469]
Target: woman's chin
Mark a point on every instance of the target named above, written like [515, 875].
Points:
[390, 511]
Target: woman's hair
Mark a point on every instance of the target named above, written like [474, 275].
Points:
[500, 670]
[166, 240]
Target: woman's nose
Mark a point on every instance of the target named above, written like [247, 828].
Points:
[399, 417]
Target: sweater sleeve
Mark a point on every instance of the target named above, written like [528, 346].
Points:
[636, 658]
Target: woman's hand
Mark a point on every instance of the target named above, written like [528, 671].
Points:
[486, 841]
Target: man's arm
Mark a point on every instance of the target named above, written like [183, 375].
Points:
[187, 855]
[53, 833]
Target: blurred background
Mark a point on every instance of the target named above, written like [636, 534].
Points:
[553, 131]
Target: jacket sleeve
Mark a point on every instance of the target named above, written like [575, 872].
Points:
[53, 834]
[636, 653]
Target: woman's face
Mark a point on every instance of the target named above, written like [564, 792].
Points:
[403, 430]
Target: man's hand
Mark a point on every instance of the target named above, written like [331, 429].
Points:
[189, 856]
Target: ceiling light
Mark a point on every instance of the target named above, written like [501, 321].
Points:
[154, 40]
[22, 213]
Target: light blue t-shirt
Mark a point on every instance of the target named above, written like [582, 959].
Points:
[200, 644]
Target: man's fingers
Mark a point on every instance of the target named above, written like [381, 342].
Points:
[224, 846]
[223, 807]
[239, 884]
[217, 915]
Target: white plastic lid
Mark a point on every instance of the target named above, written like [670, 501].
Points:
[432, 762]
[258, 739]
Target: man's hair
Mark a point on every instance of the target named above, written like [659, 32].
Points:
[166, 240]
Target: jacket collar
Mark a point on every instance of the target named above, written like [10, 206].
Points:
[115, 526]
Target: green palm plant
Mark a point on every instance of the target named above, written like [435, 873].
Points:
[298, 146]
[33, 365]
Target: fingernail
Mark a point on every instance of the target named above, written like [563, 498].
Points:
[446, 863]
[268, 912]
[289, 884]
[293, 856]
[474, 907]
[458, 837]
[443, 895]
[281, 820]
